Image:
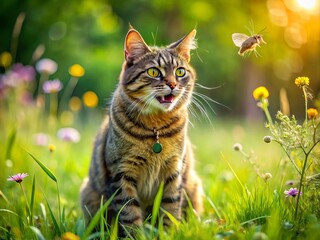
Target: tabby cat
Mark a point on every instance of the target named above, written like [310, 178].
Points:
[143, 141]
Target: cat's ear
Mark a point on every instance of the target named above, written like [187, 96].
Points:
[185, 44]
[134, 46]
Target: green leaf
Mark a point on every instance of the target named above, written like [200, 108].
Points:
[94, 221]
[156, 204]
[54, 220]
[10, 143]
[37, 232]
[32, 198]
[44, 168]
[171, 217]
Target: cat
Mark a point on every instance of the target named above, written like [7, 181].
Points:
[143, 141]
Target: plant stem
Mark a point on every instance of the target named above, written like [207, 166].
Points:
[68, 93]
[59, 206]
[53, 104]
[28, 207]
[305, 102]
[266, 111]
[304, 167]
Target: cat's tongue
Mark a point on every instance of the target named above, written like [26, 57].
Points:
[166, 99]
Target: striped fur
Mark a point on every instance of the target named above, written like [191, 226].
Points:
[123, 158]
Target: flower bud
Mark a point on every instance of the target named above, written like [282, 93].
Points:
[237, 147]
[267, 139]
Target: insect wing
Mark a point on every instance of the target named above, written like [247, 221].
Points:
[239, 38]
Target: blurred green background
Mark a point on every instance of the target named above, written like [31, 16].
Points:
[91, 33]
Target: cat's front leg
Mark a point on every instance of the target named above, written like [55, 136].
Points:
[172, 197]
[126, 202]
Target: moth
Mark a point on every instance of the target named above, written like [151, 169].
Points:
[247, 44]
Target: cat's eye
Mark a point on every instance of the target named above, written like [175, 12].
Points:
[153, 72]
[180, 72]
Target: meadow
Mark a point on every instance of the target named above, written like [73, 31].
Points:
[261, 178]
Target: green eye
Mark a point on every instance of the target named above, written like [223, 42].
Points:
[180, 72]
[153, 72]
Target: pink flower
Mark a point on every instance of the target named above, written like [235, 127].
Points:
[69, 134]
[18, 177]
[41, 139]
[47, 66]
[25, 73]
[292, 192]
[52, 86]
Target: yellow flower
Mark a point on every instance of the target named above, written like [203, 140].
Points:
[302, 81]
[260, 93]
[90, 99]
[312, 113]
[52, 147]
[75, 104]
[69, 236]
[5, 59]
[76, 70]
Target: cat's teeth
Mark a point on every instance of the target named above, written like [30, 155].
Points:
[165, 99]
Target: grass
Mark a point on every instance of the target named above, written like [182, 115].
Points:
[239, 204]
[244, 178]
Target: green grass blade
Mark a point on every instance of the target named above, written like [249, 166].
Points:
[4, 197]
[156, 204]
[11, 212]
[102, 222]
[94, 221]
[32, 199]
[11, 140]
[80, 227]
[171, 217]
[54, 220]
[115, 226]
[37, 232]
[44, 168]
[114, 230]
[232, 170]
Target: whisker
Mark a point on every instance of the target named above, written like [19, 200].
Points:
[205, 97]
[201, 108]
[207, 88]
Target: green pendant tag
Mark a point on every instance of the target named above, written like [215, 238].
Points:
[157, 147]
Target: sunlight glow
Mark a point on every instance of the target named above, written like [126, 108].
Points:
[307, 4]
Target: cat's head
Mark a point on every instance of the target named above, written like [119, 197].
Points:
[157, 79]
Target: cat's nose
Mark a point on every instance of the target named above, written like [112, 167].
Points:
[172, 85]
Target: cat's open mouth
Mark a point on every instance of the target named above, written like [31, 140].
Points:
[166, 99]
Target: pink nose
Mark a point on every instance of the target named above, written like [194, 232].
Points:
[172, 85]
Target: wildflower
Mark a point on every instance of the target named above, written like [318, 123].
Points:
[90, 99]
[51, 148]
[5, 59]
[290, 183]
[312, 113]
[266, 176]
[69, 134]
[18, 177]
[11, 79]
[292, 192]
[25, 73]
[69, 236]
[52, 86]
[75, 104]
[47, 66]
[302, 81]
[260, 93]
[41, 139]
[237, 147]
[76, 70]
